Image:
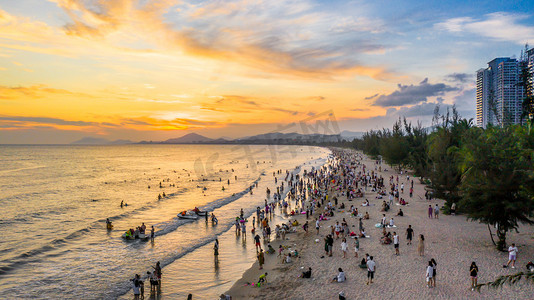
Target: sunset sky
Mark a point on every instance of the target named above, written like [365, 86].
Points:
[158, 69]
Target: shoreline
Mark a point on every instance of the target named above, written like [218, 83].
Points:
[236, 255]
[452, 240]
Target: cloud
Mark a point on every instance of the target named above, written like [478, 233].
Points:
[44, 120]
[236, 99]
[234, 104]
[419, 110]
[34, 91]
[315, 98]
[500, 26]
[371, 97]
[284, 38]
[413, 94]
[459, 77]
[359, 109]
[358, 24]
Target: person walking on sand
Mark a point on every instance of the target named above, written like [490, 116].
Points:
[421, 245]
[430, 210]
[429, 273]
[257, 242]
[356, 246]
[396, 243]
[453, 209]
[409, 235]
[512, 256]
[344, 247]
[317, 225]
[473, 272]
[436, 211]
[434, 264]
[261, 259]
[371, 267]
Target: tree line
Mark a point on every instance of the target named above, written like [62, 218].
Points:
[488, 173]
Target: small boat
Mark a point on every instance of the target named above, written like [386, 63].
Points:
[199, 212]
[187, 215]
[139, 236]
[128, 237]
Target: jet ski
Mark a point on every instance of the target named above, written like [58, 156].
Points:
[199, 212]
[187, 215]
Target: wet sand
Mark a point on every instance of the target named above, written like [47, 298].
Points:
[452, 241]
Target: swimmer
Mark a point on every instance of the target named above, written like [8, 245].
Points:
[109, 226]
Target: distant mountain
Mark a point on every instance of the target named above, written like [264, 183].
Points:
[349, 135]
[91, 141]
[191, 138]
[266, 138]
[292, 137]
[121, 142]
[99, 141]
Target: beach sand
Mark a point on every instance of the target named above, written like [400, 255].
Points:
[452, 241]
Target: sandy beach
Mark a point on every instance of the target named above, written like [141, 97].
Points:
[452, 241]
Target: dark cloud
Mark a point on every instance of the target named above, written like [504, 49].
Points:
[42, 120]
[413, 94]
[419, 110]
[315, 98]
[459, 77]
[371, 97]
[359, 109]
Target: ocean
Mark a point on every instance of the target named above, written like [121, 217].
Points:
[55, 201]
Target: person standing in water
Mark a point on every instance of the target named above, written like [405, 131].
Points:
[157, 270]
[216, 248]
[152, 233]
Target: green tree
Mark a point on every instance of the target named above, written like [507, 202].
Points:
[394, 147]
[497, 179]
[443, 146]
[416, 137]
[371, 143]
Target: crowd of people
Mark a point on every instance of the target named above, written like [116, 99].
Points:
[320, 194]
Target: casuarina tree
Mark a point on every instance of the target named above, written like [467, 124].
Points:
[497, 178]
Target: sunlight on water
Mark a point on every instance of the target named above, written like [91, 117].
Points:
[55, 200]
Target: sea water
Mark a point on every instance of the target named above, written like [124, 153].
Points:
[55, 200]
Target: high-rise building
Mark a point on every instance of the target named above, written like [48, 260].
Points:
[530, 58]
[482, 97]
[499, 94]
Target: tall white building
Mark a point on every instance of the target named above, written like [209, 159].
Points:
[482, 97]
[530, 57]
[499, 95]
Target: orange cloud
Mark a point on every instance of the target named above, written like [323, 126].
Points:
[32, 92]
[114, 21]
